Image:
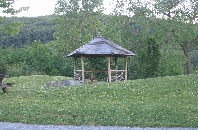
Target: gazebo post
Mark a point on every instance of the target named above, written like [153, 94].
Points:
[109, 68]
[75, 58]
[91, 71]
[83, 70]
[125, 68]
[116, 67]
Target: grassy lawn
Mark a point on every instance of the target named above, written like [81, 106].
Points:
[158, 102]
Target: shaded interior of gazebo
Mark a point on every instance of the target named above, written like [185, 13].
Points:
[100, 47]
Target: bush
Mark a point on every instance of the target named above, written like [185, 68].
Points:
[171, 64]
[16, 71]
[3, 68]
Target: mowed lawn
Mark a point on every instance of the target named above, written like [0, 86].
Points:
[157, 102]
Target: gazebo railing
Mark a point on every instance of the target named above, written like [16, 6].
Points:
[119, 75]
[78, 75]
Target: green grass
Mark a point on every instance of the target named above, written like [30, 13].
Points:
[158, 102]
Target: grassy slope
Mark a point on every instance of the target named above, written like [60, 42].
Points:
[158, 102]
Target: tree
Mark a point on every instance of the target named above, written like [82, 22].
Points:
[183, 30]
[7, 5]
[77, 21]
[167, 7]
[150, 58]
[146, 23]
[137, 30]
[39, 58]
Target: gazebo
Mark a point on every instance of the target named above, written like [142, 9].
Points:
[100, 47]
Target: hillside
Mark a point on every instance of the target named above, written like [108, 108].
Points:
[157, 102]
[34, 28]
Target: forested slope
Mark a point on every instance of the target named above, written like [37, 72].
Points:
[33, 28]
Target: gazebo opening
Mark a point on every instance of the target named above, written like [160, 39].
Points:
[100, 48]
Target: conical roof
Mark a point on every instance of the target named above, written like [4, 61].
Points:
[100, 47]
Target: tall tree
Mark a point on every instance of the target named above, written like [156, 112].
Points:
[77, 21]
[167, 7]
[137, 29]
[149, 58]
[183, 29]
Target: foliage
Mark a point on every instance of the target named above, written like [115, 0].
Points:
[12, 27]
[194, 57]
[39, 56]
[185, 35]
[77, 22]
[9, 28]
[183, 30]
[149, 58]
[167, 8]
[159, 102]
[194, 60]
[36, 58]
[174, 28]
[171, 63]
[7, 6]
[3, 67]
[33, 28]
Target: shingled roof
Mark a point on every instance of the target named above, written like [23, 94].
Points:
[100, 47]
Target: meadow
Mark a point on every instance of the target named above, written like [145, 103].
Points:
[170, 101]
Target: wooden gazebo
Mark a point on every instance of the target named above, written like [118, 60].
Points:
[100, 47]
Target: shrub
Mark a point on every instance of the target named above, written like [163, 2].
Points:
[3, 68]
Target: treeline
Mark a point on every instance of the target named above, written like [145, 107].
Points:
[163, 47]
[33, 28]
[151, 60]
[35, 58]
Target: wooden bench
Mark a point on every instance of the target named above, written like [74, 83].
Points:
[4, 86]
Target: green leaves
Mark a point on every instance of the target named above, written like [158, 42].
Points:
[150, 58]
[39, 56]
[13, 28]
[7, 5]
[79, 23]
[3, 68]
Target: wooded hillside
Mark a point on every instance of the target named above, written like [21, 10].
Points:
[33, 28]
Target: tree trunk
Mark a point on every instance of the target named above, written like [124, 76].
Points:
[188, 63]
[189, 66]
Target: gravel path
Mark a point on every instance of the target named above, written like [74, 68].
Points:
[20, 126]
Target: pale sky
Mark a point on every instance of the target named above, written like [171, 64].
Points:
[46, 7]
[37, 7]
[43, 7]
